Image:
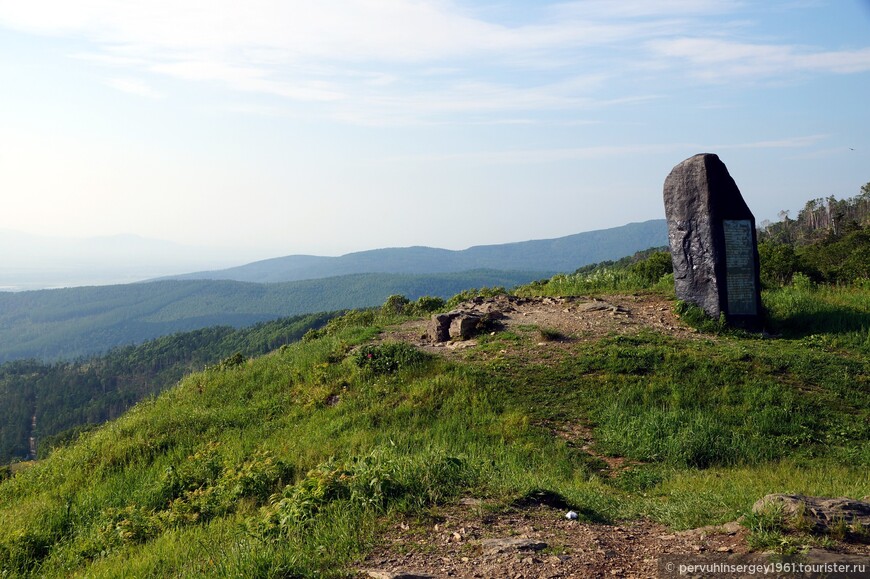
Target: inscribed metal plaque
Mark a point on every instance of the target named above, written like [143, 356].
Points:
[740, 267]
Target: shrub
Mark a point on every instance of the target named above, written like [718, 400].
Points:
[698, 318]
[313, 334]
[428, 304]
[233, 361]
[801, 281]
[387, 358]
[129, 525]
[778, 263]
[550, 335]
[376, 482]
[395, 305]
[651, 269]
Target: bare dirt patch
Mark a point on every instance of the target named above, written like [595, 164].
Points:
[476, 540]
[556, 322]
[469, 540]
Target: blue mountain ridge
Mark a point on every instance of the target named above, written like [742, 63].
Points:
[562, 254]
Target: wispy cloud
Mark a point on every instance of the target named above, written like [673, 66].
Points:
[423, 60]
[134, 86]
[722, 60]
[249, 79]
[536, 156]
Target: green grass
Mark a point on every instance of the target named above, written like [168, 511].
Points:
[603, 280]
[824, 316]
[289, 464]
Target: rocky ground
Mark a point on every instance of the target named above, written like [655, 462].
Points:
[535, 540]
[572, 319]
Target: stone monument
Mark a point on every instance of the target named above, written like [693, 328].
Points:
[713, 243]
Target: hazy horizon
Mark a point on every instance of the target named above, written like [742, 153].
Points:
[33, 262]
[325, 128]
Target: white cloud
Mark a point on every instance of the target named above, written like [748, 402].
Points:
[134, 86]
[645, 8]
[722, 60]
[534, 156]
[248, 79]
[375, 61]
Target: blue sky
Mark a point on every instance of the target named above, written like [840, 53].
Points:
[329, 126]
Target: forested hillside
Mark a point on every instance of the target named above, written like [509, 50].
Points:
[50, 402]
[829, 242]
[72, 322]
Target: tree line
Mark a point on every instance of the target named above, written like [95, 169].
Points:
[828, 242]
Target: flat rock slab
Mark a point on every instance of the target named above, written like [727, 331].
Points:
[821, 512]
[493, 546]
[377, 574]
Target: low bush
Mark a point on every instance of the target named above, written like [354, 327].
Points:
[389, 357]
[377, 482]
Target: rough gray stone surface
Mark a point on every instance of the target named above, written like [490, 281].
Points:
[452, 326]
[464, 325]
[438, 329]
[821, 512]
[699, 196]
[502, 545]
[455, 325]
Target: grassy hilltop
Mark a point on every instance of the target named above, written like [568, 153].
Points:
[295, 463]
[292, 463]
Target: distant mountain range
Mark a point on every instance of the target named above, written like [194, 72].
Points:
[73, 322]
[81, 321]
[563, 254]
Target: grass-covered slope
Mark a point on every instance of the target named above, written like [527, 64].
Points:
[73, 322]
[43, 403]
[286, 465]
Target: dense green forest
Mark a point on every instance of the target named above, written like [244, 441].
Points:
[72, 322]
[828, 242]
[62, 399]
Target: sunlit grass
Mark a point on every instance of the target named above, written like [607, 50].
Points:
[189, 483]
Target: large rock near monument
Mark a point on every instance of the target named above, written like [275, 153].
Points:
[712, 238]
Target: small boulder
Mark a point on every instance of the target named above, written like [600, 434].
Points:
[464, 325]
[457, 325]
[822, 513]
[438, 329]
